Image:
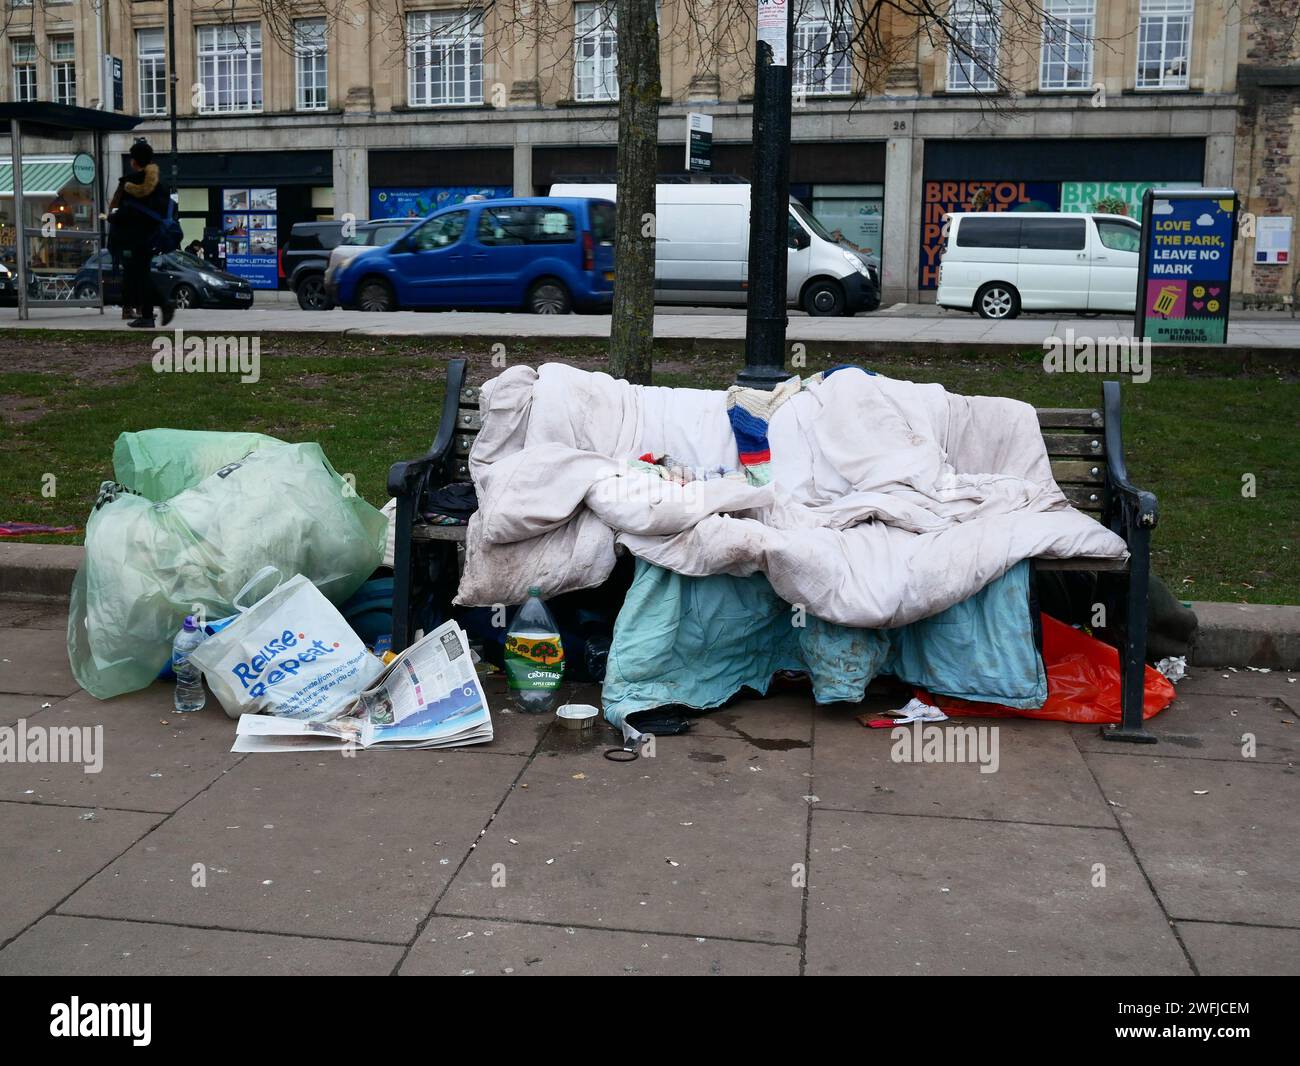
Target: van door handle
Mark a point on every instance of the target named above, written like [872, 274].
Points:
[1081, 255]
[1100, 258]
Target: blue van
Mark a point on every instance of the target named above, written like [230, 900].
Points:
[547, 255]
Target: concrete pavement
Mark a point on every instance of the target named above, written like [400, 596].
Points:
[776, 837]
[903, 326]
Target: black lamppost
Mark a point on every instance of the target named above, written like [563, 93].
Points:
[765, 315]
[171, 69]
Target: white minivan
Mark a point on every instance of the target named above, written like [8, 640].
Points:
[1001, 264]
[702, 252]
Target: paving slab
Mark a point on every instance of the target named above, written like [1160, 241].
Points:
[1230, 855]
[783, 721]
[468, 946]
[14, 706]
[1241, 950]
[699, 840]
[34, 614]
[1040, 776]
[76, 947]
[150, 757]
[35, 661]
[1198, 726]
[46, 852]
[314, 844]
[896, 894]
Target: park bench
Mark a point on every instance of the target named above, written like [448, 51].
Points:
[1084, 444]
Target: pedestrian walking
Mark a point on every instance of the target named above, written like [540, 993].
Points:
[142, 208]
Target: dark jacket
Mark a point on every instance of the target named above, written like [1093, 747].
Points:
[133, 228]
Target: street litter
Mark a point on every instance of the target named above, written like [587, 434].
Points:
[1174, 668]
[428, 697]
[191, 518]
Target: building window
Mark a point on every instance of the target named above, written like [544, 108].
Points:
[311, 59]
[24, 61]
[230, 68]
[973, 46]
[444, 57]
[1164, 44]
[1068, 27]
[63, 70]
[595, 52]
[151, 71]
[822, 62]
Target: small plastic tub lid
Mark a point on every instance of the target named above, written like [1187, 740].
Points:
[577, 715]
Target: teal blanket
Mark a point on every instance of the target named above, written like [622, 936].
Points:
[696, 642]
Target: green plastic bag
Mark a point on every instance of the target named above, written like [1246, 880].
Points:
[150, 563]
[159, 463]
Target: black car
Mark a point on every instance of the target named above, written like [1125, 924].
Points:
[307, 254]
[180, 278]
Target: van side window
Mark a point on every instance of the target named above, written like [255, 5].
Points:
[992, 232]
[1056, 234]
[602, 222]
[1119, 236]
[440, 232]
[525, 224]
[796, 235]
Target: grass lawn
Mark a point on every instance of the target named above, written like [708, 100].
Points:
[1192, 433]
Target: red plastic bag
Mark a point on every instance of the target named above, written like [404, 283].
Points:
[1083, 683]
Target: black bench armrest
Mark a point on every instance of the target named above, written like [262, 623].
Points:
[408, 478]
[1130, 508]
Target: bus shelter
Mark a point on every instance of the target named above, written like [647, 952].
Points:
[53, 202]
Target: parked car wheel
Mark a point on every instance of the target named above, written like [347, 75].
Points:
[375, 294]
[997, 300]
[824, 298]
[549, 297]
[312, 295]
[184, 296]
[85, 291]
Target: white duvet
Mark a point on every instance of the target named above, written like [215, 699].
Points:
[889, 501]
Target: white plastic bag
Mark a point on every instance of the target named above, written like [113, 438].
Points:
[291, 654]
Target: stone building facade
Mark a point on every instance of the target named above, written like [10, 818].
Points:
[390, 107]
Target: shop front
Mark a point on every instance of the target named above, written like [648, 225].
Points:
[414, 183]
[58, 195]
[1079, 176]
[239, 207]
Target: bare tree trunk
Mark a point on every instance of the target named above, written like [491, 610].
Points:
[631, 335]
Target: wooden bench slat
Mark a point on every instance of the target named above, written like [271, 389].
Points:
[1084, 497]
[1080, 470]
[1092, 444]
[1103, 565]
[1069, 417]
[469, 420]
[428, 531]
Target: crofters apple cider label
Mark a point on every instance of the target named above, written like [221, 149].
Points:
[534, 661]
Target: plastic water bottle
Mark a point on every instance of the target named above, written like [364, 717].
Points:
[189, 679]
[534, 657]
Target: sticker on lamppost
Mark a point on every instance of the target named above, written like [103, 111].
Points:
[1185, 274]
[699, 142]
[772, 16]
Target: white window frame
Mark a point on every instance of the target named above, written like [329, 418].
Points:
[1065, 62]
[230, 68]
[63, 69]
[151, 70]
[26, 87]
[981, 31]
[822, 54]
[1165, 28]
[311, 64]
[595, 51]
[444, 58]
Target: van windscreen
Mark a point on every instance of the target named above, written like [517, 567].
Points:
[995, 231]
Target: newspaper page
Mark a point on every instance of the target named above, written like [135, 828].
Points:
[430, 696]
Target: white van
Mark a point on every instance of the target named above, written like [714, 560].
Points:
[702, 252]
[1001, 264]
